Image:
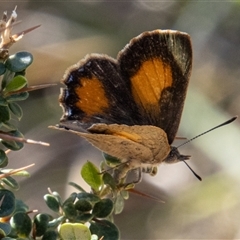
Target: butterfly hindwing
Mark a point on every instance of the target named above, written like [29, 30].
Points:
[133, 144]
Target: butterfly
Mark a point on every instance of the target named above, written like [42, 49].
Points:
[130, 107]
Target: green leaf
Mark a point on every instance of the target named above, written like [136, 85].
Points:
[119, 204]
[105, 229]
[125, 194]
[3, 159]
[74, 231]
[7, 200]
[14, 145]
[22, 224]
[22, 173]
[52, 202]
[94, 237]
[103, 208]
[19, 61]
[91, 175]
[17, 97]
[4, 114]
[16, 84]
[41, 223]
[16, 110]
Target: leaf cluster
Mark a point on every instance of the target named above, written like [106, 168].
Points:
[83, 215]
[14, 219]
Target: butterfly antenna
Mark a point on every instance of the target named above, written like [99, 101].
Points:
[194, 173]
[218, 126]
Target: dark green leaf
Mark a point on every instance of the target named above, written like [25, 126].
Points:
[2, 234]
[4, 114]
[11, 182]
[57, 196]
[14, 145]
[5, 227]
[3, 101]
[103, 208]
[19, 61]
[17, 97]
[52, 202]
[109, 180]
[83, 205]
[9, 126]
[20, 206]
[2, 68]
[88, 197]
[7, 200]
[16, 110]
[41, 224]
[71, 199]
[3, 159]
[23, 73]
[69, 211]
[84, 217]
[111, 160]
[91, 174]
[55, 222]
[50, 235]
[105, 229]
[16, 84]
[9, 238]
[76, 186]
[8, 75]
[21, 223]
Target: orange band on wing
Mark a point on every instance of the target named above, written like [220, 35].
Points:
[148, 83]
[92, 96]
[130, 136]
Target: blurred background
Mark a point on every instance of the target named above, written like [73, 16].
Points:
[69, 30]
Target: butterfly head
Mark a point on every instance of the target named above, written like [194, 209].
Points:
[175, 156]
